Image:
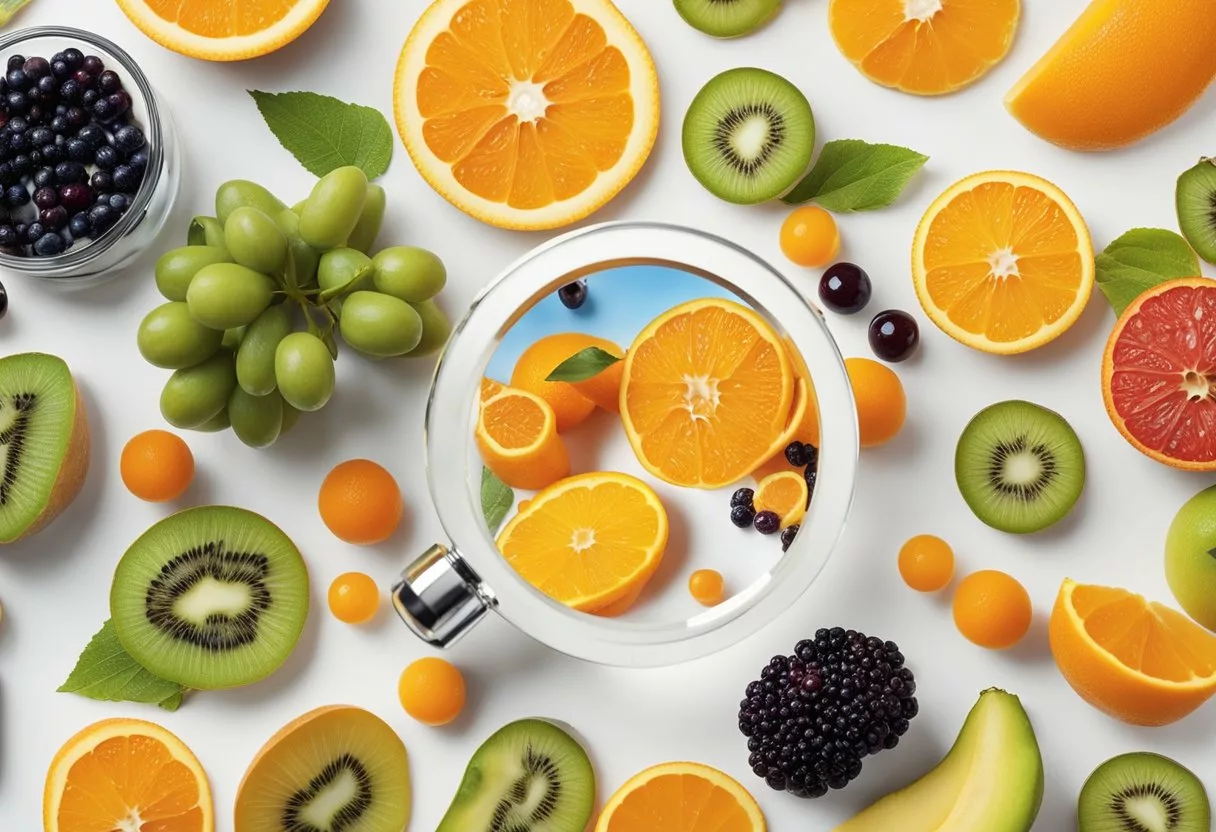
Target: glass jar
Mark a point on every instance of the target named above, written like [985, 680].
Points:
[99, 259]
[454, 584]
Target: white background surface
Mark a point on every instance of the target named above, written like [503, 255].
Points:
[54, 587]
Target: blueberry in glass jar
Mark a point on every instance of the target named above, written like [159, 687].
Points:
[80, 226]
[54, 218]
[129, 139]
[126, 179]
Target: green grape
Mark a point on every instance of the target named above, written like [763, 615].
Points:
[302, 258]
[409, 273]
[256, 420]
[379, 325]
[206, 231]
[227, 295]
[255, 358]
[304, 371]
[169, 337]
[216, 423]
[436, 328]
[298, 208]
[194, 396]
[333, 208]
[233, 337]
[240, 193]
[290, 417]
[175, 269]
[340, 265]
[363, 237]
[255, 241]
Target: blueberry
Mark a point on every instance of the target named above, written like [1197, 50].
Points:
[70, 91]
[34, 231]
[75, 197]
[48, 87]
[812, 455]
[102, 217]
[37, 68]
[76, 117]
[3, 302]
[795, 454]
[73, 57]
[46, 197]
[21, 229]
[44, 178]
[16, 62]
[126, 179]
[34, 96]
[52, 153]
[6, 173]
[19, 142]
[35, 112]
[102, 180]
[36, 158]
[22, 163]
[92, 135]
[79, 226]
[129, 139]
[17, 79]
[79, 151]
[54, 218]
[109, 82]
[17, 124]
[67, 173]
[573, 295]
[139, 160]
[8, 236]
[787, 537]
[59, 124]
[49, 245]
[17, 102]
[89, 98]
[742, 516]
[60, 69]
[742, 497]
[41, 136]
[120, 101]
[767, 522]
[103, 110]
[93, 65]
[120, 202]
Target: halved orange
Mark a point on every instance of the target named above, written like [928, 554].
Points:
[589, 540]
[706, 393]
[122, 774]
[784, 493]
[926, 47]
[1136, 660]
[517, 436]
[223, 30]
[1003, 262]
[526, 114]
[681, 797]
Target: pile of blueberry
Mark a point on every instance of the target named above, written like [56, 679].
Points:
[71, 158]
[742, 503]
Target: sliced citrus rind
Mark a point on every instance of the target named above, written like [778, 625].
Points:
[517, 436]
[250, 30]
[679, 793]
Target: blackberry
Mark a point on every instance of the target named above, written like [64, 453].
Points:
[787, 537]
[795, 454]
[742, 516]
[813, 716]
[742, 497]
[767, 522]
[572, 295]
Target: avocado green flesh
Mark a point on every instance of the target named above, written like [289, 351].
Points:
[992, 779]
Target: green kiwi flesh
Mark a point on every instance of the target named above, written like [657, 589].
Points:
[529, 776]
[1019, 466]
[210, 597]
[1143, 792]
[748, 135]
[1196, 198]
[44, 443]
[727, 18]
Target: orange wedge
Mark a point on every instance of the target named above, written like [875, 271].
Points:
[706, 393]
[123, 774]
[803, 426]
[517, 436]
[588, 541]
[223, 30]
[1136, 660]
[785, 494]
[681, 797]
[526, 114]
[1003, 262]
[925, 47]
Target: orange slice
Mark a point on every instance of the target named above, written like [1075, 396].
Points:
[1138, 661]
[681, 797]
[526, 114]
[706, 393]
[785, 494]
[223, 30]
[1003, 262]
[588, 541]
[126, 774]
[801, 427]
[517, 436]
[926, 47]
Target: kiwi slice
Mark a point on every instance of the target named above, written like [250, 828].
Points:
[335, 769]
[44, 440]
[529, 776]
[748, 135]
[210, 597]
[1143, 792]
[1019, 466]
[727, 18]
[1196, 198]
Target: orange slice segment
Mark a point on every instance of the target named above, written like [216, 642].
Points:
[517, 436]
[588, 541]
[785, 494]
[681, 797]
[925, 47]
[1003, 262]
[223, 30]
[1136, 660]
[91, 785]
[526, 114]
[706, 393]
[801, 427]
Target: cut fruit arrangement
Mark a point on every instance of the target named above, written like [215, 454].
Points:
[250, 29]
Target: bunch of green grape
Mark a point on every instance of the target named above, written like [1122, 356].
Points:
[259, 294]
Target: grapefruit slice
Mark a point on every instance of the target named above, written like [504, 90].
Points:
[1159, 374]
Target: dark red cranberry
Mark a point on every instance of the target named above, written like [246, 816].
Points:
[93, 65]
[75, 197]
[84, 80]
[37, 68]
[46, 197]
[767, 522]
[54, 218]
[894, 335]
[109, 82]
[120, 102]
[845, 288]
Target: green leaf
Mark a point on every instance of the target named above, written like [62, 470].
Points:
[496, 499]
[8, 8]
[105, 671]
[324, 133]
[583, 365]
[1141, 259]
[852, 175]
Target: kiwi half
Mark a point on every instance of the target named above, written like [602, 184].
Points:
[1143, 792]
[1019, 466]
[335, 769]
[727, 18]
[748, 135]
[44, 439]
[529, 776]
[1196, 198]
[210, 597]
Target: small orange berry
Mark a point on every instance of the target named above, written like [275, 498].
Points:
[809, 237]
[707, 587]
[360, 502]
[156, 466]
[432, 691]
[882, 406]
[926, 563]
[354, 598]
[992, 609]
